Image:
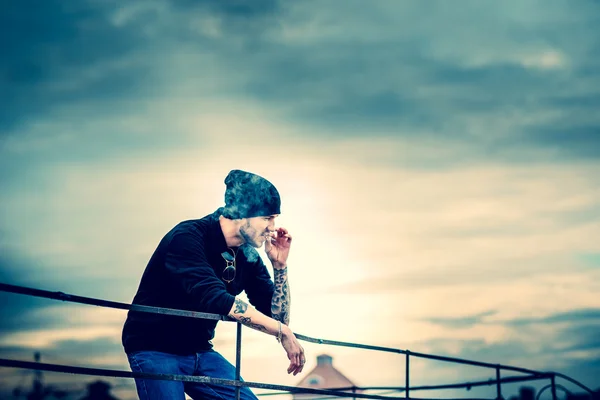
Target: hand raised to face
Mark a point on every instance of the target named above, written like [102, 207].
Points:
[277, 247]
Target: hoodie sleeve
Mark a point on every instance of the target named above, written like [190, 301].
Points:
[188, 268]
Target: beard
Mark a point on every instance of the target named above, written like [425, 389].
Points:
[251, 236]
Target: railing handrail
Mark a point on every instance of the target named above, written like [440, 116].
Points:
[4, 287]
[184, 378]
[487, 382]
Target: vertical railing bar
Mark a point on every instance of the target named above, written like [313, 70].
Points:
[553, 382]
[238, 359]
[498, 384]
[407, 385]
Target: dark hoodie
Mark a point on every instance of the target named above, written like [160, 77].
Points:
[185, 272]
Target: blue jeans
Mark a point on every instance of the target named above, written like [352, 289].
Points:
[209, 363]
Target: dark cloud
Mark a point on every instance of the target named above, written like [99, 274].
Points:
[20, 312]
[583, 337]
[478, 349]
[573, 316]
[77, 80]
[519, 354]
[83, 352]
[401, 86]
[461, 322]
[49, 46]
[25, 313]
[387, 75]
[232, 9]
[582, 322]
[568, 138]
[58, 53]
[70, 352]
[565, 333]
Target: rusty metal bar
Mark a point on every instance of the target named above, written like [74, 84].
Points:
[407, 384]
[238, 359]
[498, 384]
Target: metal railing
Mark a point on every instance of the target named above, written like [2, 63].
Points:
[355, 392]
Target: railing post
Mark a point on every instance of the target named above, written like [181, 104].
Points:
[553, 383]
[498, 384]
[238, 359]
[407, 385]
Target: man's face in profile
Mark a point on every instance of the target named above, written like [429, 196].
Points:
[255, 230]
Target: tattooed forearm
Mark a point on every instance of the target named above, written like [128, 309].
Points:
[280, 304]
[243, 312]
[240, 306]
[248, 322]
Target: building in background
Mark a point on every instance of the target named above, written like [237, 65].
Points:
[324, 376]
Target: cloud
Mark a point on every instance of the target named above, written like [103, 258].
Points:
[60, 54]
[20, 312]
[560, 342]
[567, 136]
[460, 322]
[583, 315]
[37, 323]
[234, 10]
[106, 55]
[102, 351]
[397, 79]
[465, 226]
[331, 71]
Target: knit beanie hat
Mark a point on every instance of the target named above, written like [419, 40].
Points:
[249, 195]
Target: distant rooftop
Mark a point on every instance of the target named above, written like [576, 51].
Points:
[324, 376]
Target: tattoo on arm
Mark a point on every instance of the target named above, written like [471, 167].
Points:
[280, 304]
[240, 306]
[248, 322]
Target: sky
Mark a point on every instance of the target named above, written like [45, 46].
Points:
[438, 163]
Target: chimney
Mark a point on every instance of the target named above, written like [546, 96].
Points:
[324, 359]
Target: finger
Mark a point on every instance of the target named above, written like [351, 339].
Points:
[293, 364]
[300, 362]
[282, 241]
[291, 367]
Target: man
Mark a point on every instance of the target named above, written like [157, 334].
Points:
[201, 265]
